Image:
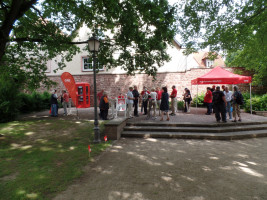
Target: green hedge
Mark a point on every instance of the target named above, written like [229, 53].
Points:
[199, 100]
[259, 103]
[12, 102]
[34, 102]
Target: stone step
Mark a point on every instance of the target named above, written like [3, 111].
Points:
[188, 124]
[194, 135]
[201, 129]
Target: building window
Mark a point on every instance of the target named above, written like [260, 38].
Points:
[88, 64]
[209, 63]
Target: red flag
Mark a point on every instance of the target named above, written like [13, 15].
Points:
[106, 138]
[89, 148]
[69, 83]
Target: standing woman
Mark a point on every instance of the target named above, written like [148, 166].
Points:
[164, 106]
[187, 100]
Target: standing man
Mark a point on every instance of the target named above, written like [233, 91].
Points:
[65, 102]
[228, 96]
[159, 93]
[208, 101]
[136, 96]
[223, 88]
[219, 103]
[152, 103]
[129, 102]
[238, 100]
[145, 95]
[54, 104]
[212, 90]
[173, 100]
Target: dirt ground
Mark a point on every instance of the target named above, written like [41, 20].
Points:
[170, 169]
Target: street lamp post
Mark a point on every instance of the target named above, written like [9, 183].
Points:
[94, 44]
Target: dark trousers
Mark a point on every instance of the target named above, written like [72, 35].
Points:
[104, 114]
[209, 108]
[135, 107]
[220, 112]
[145, 107]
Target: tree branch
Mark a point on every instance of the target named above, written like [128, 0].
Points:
[27, 39]
[40, 14]
[253, 16]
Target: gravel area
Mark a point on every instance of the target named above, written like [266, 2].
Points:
[144, 169]
[171, 169]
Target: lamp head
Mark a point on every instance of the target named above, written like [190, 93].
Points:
[93, 44]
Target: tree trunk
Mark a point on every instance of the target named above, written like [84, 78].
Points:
[17, 10]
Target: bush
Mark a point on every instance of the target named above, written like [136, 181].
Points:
[9, 102]
[199, 101]
[45, 98]
[37, 101]
[34, 102]
[259, 103]
[26, 103]
[180, 105]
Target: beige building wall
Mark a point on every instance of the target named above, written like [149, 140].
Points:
[178, 63]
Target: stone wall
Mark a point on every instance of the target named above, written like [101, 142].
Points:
[114, 84]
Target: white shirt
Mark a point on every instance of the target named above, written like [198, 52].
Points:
[153, 95]
[228, 95]
[129, 94]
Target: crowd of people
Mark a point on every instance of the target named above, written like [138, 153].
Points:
[153, 100]
[216, 101]
[223, 102]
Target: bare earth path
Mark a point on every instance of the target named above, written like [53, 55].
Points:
[162, 169]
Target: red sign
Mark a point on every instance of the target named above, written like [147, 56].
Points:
[69, 83]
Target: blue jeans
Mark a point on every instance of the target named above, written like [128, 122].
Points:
[54, 110]
[228, 109]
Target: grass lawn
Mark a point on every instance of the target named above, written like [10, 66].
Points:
[39, 158]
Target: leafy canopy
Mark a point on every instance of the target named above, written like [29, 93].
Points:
[236, 27]
[33, 32]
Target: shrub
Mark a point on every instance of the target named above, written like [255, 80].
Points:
[37, 101]
[180, 105]
[259, 103]
[45, 98]
[9, 102]
[199, 101]
[26, 103]
[34, 102]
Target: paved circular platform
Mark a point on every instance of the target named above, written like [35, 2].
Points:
[197, 115]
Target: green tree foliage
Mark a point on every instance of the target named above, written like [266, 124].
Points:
[33, 32]
[9, 102]
[237, 27]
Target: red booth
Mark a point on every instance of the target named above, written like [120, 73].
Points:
[79, 92]
[82, 95]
